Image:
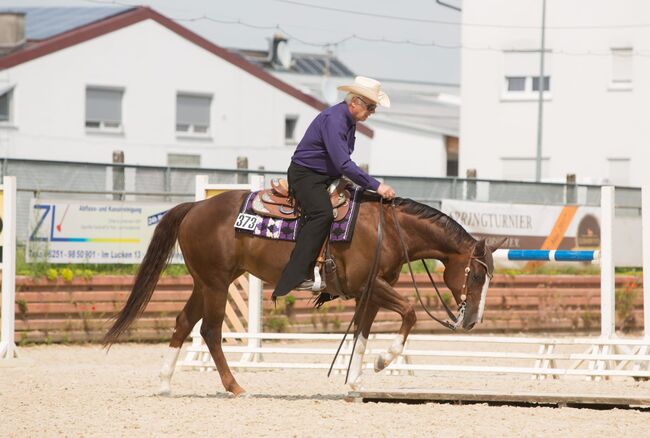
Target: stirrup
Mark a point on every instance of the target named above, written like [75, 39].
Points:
[317, 280]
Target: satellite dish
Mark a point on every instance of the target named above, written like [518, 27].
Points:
[329, 91]
[283, 54]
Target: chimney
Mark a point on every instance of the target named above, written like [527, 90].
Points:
[12, 29]
[279, 53]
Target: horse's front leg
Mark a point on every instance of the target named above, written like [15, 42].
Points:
[386, 297]
[364, 322]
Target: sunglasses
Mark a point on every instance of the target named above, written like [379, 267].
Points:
[369, 106]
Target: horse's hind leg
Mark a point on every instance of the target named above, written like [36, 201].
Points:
[185, 321]
[214, 309]
[386, 297]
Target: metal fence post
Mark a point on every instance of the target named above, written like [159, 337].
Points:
[571, 192]
[118, 176]
[168, 182]
[470, 192]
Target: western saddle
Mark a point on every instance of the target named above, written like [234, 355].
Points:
[276, 202]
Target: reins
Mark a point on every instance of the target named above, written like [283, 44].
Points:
[365, 296]
[456, 320]
[362, 305]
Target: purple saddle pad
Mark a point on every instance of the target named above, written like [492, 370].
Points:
[284, 229]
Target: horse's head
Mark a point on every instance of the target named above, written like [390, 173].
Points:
[468, 277]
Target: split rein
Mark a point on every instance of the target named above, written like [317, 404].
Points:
[456, 320]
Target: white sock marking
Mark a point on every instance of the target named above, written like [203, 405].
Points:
[395, 350]
[356, 367]
[167, 370]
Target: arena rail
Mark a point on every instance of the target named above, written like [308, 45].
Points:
[8, 264]
[599, 357]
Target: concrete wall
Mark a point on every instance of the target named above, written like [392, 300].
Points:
[588, 120]
[407, 152]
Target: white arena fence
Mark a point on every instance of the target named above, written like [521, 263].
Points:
[603, 356]
[8, 265]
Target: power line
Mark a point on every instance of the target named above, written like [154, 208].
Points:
[369, 39]
[457, 23]
[423, 20]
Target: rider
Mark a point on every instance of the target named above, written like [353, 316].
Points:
[322, 156]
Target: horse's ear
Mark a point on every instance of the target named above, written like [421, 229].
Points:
[493, 247]
[479, 249]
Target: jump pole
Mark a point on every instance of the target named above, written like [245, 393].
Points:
[605, 256]
[7, 339]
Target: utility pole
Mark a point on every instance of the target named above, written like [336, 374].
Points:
[540, 102]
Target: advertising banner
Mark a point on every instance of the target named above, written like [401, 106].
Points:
[63, 231]
[526, 226]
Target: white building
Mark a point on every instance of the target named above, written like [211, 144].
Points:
[597, 102]
[77, 84]
[416, 136]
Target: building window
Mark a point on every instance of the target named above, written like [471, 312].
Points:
[547, 83]
[521, 73]
[104, 108]
[6, 103]
[516, 83]
[183, 160]
[193, 114]
[622, 68]
[290, 123]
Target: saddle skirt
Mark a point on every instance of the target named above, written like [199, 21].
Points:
[276, 202]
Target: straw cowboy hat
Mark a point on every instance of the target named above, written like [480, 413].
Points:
[368, 88]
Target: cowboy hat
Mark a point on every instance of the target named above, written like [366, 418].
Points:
[368, 88]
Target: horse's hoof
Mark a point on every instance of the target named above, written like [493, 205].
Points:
[165, 392]
[355, 386]
[380, 364]
[239, 393]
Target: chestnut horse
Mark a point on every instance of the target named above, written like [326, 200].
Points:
[216, 255]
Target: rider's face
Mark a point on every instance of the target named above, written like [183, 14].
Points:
[361, 109]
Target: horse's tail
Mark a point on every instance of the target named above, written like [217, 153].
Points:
[158, 254]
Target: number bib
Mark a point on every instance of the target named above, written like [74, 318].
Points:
[246, 221]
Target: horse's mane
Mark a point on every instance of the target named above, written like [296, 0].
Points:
[450, 226]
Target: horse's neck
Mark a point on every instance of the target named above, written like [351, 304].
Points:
[426, 239]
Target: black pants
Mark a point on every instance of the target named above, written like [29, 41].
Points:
[309, 189]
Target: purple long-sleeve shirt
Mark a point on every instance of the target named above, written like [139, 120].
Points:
[328, 144]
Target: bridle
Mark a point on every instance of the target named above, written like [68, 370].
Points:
[456, 320]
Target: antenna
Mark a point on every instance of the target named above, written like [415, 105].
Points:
[283, 54]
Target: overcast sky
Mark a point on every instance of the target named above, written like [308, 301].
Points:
[318, 23]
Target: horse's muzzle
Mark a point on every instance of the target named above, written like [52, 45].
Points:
[471, 318]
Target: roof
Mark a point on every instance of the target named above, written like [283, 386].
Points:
[76, 29]
[301, 63]
[43, 23]
[425, 106]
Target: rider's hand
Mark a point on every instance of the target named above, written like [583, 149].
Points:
[386, 191]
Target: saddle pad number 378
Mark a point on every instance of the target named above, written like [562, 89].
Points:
[246, 221]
